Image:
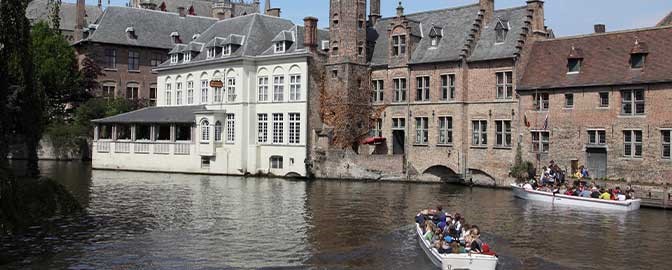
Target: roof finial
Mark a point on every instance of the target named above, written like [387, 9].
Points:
[400, 10]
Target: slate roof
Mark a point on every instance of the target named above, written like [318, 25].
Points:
[38, 10]
[666, 21]
[152, 28]
[606, 60]
[167, 114]
[487, 49]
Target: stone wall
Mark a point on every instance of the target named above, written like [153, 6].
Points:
[48, 151]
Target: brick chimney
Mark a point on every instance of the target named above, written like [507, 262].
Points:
[80, 20]
[375, 11]
[600, 28]
[488, 10]
[275, 12]
[182, 11]
[536, 9]
[310, 36]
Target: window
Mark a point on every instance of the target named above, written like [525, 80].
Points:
[637, 60]
[504, 85]
[217, 95]
[421, 130]
[162, 133]
[604, 99]
[448, 87]
[263, 88]
[105, 132]
[294, 128]
[541, 102]
[226, 50]
[204, 92]
[422, 92]
[435, 41]
[205, 162]
[156, 60]
[110, 58]
[540, 141]
[500, 33]
[152, 95]
[205, 131]
[377, 93]
[123, 132]
[294, 87]
[480, 133]
[218, 131]
[597, 137]
[360, 48]
[262, 128]
[143, 132]
[503, 133]
[278, 88]
[212, 52]
[183, 132]
[400, 90]
[231, 89]
[178, 93]
[174, 58]
[190, 92]
[132, 91]
[280, 47]
[108, 91]
[445, 130]
[230, 128]
[133, 60]
[278, 128]
[398, 123]
[665, 134]
[632, 147]
[398, 45]
[187, 57]
[377, 129]
[574, 65]
[168, 94]
[569, 100]
[276, 162]
[633, 102]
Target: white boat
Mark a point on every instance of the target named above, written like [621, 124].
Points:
[463, 261]
[586, 203]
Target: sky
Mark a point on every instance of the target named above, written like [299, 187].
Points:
[565, 17]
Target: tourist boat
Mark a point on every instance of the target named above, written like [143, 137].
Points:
[463, 261]
[586, 203]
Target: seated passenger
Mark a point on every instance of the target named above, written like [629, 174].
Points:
[595, 194]
[457, 248]
[605, 195]
[445, 247]
[476, 243]
[585, 193]
[528, 186]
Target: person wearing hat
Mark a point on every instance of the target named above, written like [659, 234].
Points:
[445, 247]
[595, 193]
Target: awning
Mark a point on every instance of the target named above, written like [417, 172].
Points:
[161, 115]
[374, 140]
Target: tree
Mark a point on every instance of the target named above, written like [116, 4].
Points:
[54, 15]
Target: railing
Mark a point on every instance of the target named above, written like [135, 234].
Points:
[141, 148]
[182, 148]
[122, 147]
[103, 146]
[144, 147]
[162, 148]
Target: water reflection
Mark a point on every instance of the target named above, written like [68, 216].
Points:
[172, 221]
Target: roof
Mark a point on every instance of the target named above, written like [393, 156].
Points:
[152, 28]
[606, 59]
[204, 7]
[666, 21]
[38, 10]
[486, 47]
[169, 114]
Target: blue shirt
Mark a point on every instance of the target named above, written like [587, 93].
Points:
[586, 193]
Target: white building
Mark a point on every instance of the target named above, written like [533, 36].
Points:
[233, 101]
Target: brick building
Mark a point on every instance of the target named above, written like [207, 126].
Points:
[128, 43]
[73, 17]
[221, 9]
[444, 80]
[601, 100]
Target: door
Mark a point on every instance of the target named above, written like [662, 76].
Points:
[597, 162]
[398, 138]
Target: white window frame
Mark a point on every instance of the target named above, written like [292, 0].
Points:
[174, 58]
[505, 85]
[377, 129]
[666, 153]
[599, 135]
[445, 127]
[276, 162]
[633, 144]
[186, 57]
[262, 88]
[178, 93]
[503, 133]
[378, 94]
[294, 128]
[295, 87]
[205, 131]
[190, 92]
[212, 52]
[280, 46]
[262, 128]
[400, 89]
[226, 50]
[278, 88]
[447, 87]
[399, 123]
[218, 131]
[231, 89]
[278, 128]
[205, 89]
[422, 130]
[479, 133]
[230, 128]
[629, 98]
[422, 92]
[541, 144]
[169, 99]
[542, 102]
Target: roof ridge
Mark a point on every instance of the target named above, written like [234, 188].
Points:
[643, 29]
[431, 11]
[160, 12]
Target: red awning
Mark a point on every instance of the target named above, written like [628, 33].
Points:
[374, 140]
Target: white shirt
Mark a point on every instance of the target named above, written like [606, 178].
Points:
[621, 197]
[527, 186]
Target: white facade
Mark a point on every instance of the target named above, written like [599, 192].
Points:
[255, 124]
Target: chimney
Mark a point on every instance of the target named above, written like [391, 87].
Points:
[375, 12]
[310, 36]
[536, 9]
[400, 10]
[488, 10]
[267, 6]
[182, 11]
[600, 28]
[275, 12]
[80, 19]
[100, 3]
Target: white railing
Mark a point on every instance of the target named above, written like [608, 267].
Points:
[182, 148]
[141, 147]
[103, 147]
[122, 147]
[162, 148]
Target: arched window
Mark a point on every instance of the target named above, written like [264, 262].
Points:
[205, 131]
[168, 92]
[218, 131]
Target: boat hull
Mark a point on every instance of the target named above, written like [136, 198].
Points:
[456, 261]
[586, 203]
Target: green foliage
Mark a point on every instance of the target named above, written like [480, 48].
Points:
[521, 170]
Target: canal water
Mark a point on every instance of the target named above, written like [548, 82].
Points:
[175, 221]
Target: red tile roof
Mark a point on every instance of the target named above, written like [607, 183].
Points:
[606, 60]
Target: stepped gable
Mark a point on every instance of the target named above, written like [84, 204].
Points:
[152, 28]
[666, 21]
[606, 60]
[513, 19]
[38, 10]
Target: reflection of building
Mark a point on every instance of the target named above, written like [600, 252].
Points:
[127, 43]
[234, 100]
[70, 16]
[601, 100]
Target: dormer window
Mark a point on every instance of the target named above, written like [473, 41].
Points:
[175, 37]
[637, 60]
[501, 30]
[174, 58]
[398, 45]
[280, 47]
[130, 32]
[574, 65]
[187, 57]
[212, 52]
[435, 35]
[226, 50]
[435, 41]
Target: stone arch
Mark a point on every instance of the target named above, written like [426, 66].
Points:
[278, 71]
[442, 173]
[262, 71]
[231, 73]
[295, 69]
[481, 178]
[293, 175]
[204, 76]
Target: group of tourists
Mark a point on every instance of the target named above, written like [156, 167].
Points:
[450, 234]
